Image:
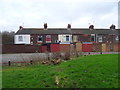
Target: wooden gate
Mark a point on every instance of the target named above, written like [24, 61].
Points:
[78, 47]
[103, 47]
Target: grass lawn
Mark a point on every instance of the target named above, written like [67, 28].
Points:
[95, 71]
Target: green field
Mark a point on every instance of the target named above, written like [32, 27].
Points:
[95, 71]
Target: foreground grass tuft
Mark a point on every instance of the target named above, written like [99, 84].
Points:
[95, 71]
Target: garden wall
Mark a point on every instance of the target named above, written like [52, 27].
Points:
[12, 48]
[95, 47]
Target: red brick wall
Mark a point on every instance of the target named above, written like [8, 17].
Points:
[64, 47]
[20, 48]
[84, 38]
[117, 47]
[44, 49]
[97, 47]
[107, 47]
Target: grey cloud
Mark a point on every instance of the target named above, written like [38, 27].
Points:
[34, 13]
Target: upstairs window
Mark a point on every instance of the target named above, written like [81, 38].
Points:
[117, 38]
[20, 38]
[93, 37]
[100, 39]
[75, 38]
[40, 38]
[67, 38]
[48, 38]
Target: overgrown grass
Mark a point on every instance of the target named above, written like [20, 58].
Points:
[95, 71]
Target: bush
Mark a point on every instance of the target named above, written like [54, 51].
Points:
[67, 56]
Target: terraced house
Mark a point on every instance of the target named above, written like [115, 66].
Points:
[38, 36]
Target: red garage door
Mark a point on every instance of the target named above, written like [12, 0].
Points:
[55, 48]
[87, 47]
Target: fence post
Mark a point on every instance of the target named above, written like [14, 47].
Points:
[89, 53]
[9, 63]
[31, 62]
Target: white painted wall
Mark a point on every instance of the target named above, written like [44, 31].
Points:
[62, 38]
[26, 39]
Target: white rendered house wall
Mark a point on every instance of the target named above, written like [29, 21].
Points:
[22, 39]
[65, 38]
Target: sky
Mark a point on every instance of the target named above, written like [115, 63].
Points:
[57, 13]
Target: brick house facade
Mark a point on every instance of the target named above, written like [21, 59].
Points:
[38, 36]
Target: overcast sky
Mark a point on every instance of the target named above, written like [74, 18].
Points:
[57, 13]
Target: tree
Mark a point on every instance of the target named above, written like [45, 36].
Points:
[8, 37]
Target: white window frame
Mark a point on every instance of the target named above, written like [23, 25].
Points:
[41, 38]
[100, 38]
[49, 37]
[75, 38]
[117, 38]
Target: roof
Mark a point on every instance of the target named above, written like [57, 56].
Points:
[66, 31]
[42, 31]
[95, 31]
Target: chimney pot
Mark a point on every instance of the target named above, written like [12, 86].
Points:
[69, 26]
[112, 26]
[91, 27]
[45, 26]
[20, 27]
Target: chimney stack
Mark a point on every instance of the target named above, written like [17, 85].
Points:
[20, 27]
[91, 27]
[45, 26]
[112, 26]
[69, 26]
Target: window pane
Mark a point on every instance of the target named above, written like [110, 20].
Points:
[75, 38]
[92, 38]
[100, 39]
[39, 38]
[48, 38]
[117, 38]
[20, 38]
[67, 38]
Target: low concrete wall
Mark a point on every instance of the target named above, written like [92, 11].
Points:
[27, 57]
[23, 57]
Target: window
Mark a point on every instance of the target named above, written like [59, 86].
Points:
[117, 38]
[100, 39]
[92, 37]
[31, 43]
[48, 38]
[75, 38]
[67, 38]
[40, 38]
[20, 38]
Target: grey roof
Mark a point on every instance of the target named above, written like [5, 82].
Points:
[95, 31]
[42, 31]
[65, 31]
